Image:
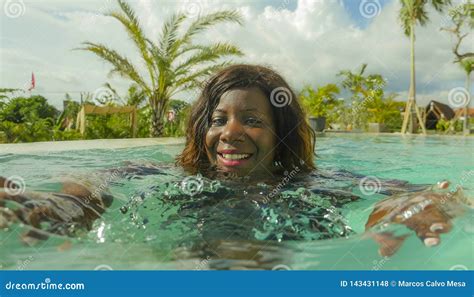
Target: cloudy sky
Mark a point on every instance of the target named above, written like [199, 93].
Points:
[308, 41]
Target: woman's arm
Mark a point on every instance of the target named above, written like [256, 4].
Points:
[65, 212]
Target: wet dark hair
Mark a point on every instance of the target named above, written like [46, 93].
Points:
[295, 138]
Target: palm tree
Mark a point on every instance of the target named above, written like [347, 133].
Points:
[411, 13]
[364, 88]
[462, 17]
[468, 66]
[320, 101]
[175, 63]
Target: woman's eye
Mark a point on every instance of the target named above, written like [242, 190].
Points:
[218, 122]
[253, 121]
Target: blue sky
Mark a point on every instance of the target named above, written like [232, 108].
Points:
[352, 7]
[308, 41]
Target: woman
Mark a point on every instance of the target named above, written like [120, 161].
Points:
[248, 122]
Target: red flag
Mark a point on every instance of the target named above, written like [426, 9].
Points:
[33, 82]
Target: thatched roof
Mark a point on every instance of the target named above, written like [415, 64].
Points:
[439, 110]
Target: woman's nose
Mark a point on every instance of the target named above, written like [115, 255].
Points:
[233, 131]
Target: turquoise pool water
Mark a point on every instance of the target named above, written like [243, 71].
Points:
[231, 232]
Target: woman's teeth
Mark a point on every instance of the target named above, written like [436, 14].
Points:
[235, 156]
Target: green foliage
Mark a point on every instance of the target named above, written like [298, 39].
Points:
[38, 130]
[415, 11]
[177, 128]
[27, 119]
[3, 94]
[108, 126]
[442, 125]
[60, 135]
[174, 64]
[386, 111]
[319, 102]
[21, 110]
[367, 102]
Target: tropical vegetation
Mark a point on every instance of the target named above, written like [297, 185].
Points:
[415, 12]
[174, 63]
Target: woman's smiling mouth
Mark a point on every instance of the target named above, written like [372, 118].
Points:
[231, 158]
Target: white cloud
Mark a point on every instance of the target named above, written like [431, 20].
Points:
[310, 44]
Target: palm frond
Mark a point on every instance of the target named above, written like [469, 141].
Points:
[207, 54]
[195, 79]
[413, 11]
[209, 20]
[169, 36]
[439, 5]
[129, 20]
[162, 61]
[121, 65]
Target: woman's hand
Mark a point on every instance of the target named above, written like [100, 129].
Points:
[428, 213]
[73, 207]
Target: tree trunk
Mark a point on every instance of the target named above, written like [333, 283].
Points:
[411, 110]
[156, 128]
[466, 128]
[412, 93]
[158, 105]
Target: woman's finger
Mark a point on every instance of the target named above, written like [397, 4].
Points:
[388, 243]
[431, 241]
[441, 227]
[431, 236]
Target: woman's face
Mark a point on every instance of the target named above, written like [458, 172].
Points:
[242, 137]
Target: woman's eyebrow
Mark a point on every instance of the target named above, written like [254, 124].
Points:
[248, 109]
[256, 111]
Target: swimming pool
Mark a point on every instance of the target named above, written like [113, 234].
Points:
[152, 233]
